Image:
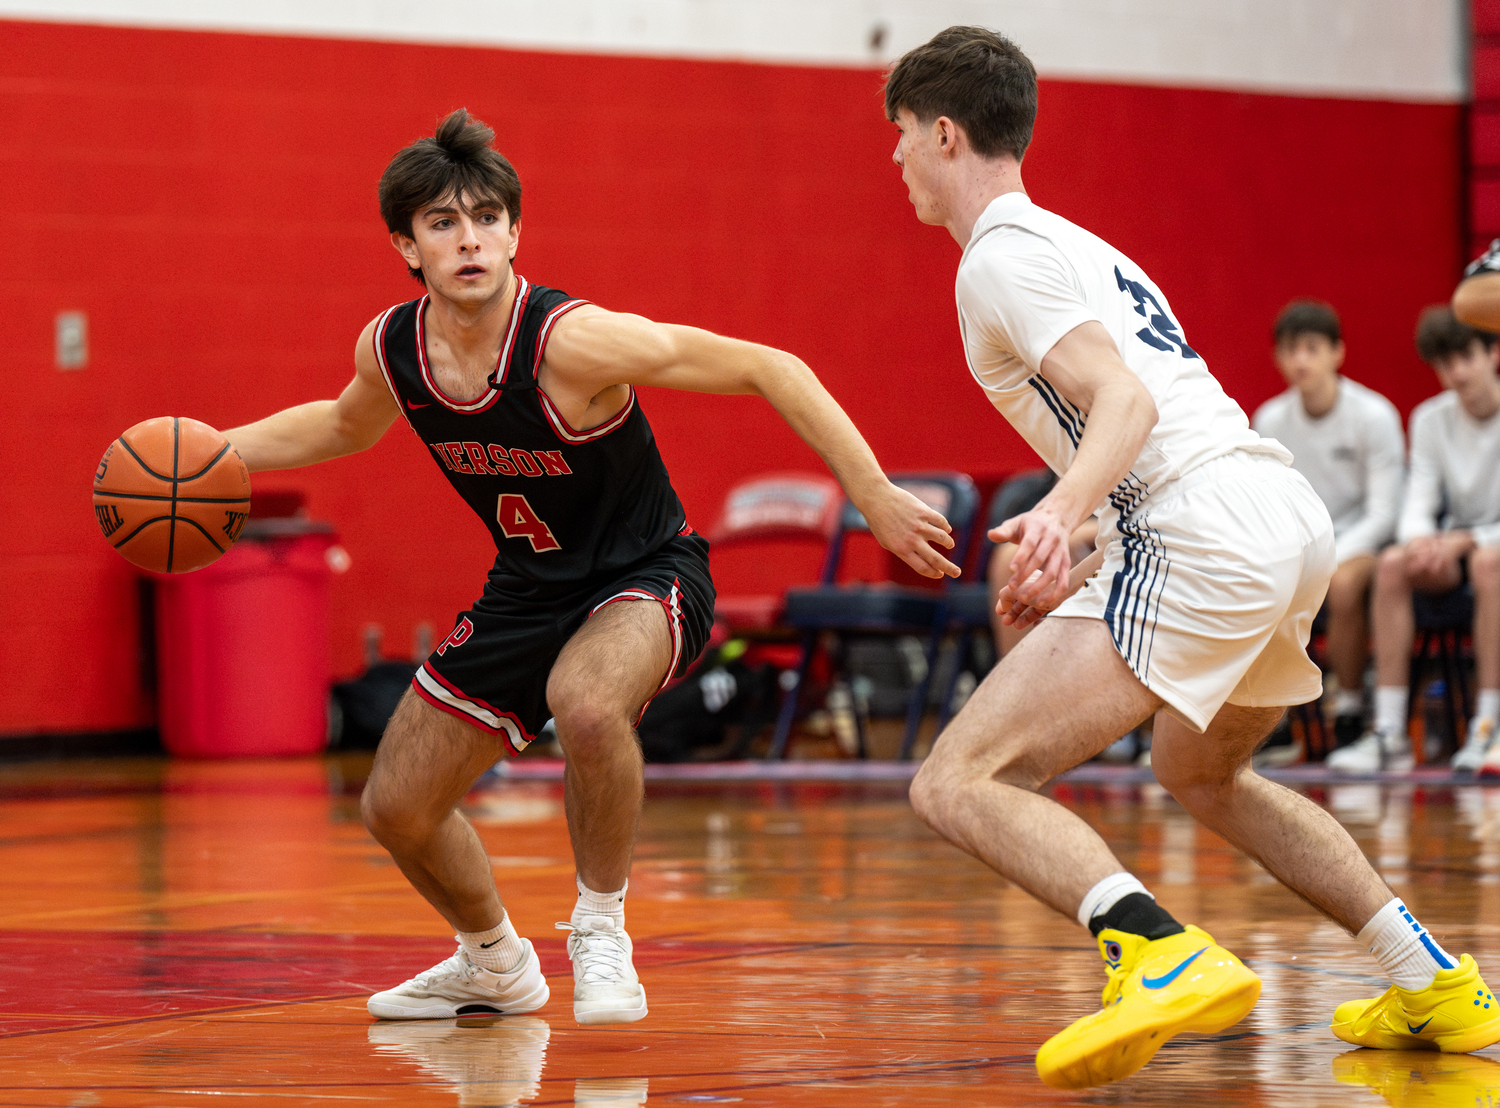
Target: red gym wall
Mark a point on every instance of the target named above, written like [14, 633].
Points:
[209, 201]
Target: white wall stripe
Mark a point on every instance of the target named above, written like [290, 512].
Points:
[1380, 49]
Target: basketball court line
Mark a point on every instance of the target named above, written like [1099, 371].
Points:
[783, 933]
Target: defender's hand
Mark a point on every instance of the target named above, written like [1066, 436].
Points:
[1015, 614]
[1039, 569]
[905, 526]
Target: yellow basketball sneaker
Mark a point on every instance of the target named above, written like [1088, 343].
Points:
[1157, 989]
[1455, 1014]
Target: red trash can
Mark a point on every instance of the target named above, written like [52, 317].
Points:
[242, 645]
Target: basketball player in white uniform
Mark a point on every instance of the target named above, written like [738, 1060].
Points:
[1213, 557]
[1346, 440]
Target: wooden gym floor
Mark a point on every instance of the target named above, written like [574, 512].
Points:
[178, 934]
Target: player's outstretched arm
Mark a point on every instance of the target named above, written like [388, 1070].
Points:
[1086, 367]
[592, 350]
[323, 429]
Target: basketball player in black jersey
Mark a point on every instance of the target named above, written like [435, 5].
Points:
[600, 590]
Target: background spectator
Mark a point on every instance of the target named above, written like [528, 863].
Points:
[1449, 533]
[1346, 440]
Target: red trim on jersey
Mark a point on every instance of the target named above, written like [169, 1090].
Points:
[502, 364]
[468, 717]
[377, 339]
[518, 309]
[552, 317]
[563, 431]
[672, 605]
[560, 426]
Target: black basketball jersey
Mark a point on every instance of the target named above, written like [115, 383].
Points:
[562, 505]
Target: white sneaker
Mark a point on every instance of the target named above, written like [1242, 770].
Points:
[1483, 730]
[605, 986]
[1377, 750]
[457, 987]
[1471, 755]
[498, 1063]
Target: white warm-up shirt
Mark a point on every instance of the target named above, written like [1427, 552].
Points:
[1026, 279]
[1454, 478]
[1353, 456]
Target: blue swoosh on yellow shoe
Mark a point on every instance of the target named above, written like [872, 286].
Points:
[1167, 978]
[1417, 1030]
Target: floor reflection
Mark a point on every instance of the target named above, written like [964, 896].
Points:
[1418, 1079]
[489, 1063]
[811, 945]
[612, 1092]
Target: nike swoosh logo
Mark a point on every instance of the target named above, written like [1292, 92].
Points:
[414, 407]
[1417, 1030]
[1167, 978]
[486, 946]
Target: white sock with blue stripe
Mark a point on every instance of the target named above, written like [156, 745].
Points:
[1407, 954]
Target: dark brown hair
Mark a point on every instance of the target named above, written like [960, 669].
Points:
[1440, 334]
[458, 161]
[976, 78]
[1307, 317]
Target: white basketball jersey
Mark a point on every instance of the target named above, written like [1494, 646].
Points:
[1026, 279]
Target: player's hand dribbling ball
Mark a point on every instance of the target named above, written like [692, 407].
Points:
[171, 494]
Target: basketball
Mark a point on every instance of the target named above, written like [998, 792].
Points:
[171, 494]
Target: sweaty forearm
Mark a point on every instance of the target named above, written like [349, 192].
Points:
[294, 437]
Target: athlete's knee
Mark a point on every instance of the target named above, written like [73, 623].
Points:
[1200, 790]
[1204, 786]
[393, 820]
[1184, 783]
[587, 724]
[930, 793]
[1484, 569]
[955, 766]
[1391, 572]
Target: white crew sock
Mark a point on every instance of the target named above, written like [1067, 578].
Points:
[1488, 706]
[499, 949]
[1390, 709]
[609, 905]
[1348, 702]
[1407, 954]
[1107, 893]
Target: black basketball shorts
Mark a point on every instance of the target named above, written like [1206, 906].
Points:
[492, 670]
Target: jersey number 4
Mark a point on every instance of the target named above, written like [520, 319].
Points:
[518, 521]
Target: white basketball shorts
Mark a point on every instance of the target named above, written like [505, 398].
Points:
[1210, 584]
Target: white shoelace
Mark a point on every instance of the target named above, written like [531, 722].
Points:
[601, 955]
[457, 964]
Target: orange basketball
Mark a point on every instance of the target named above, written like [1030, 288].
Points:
[171, 494]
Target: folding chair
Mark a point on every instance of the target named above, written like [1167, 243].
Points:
[1442, 621]
[776, 513]
[884, 608]
[1317, 737]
